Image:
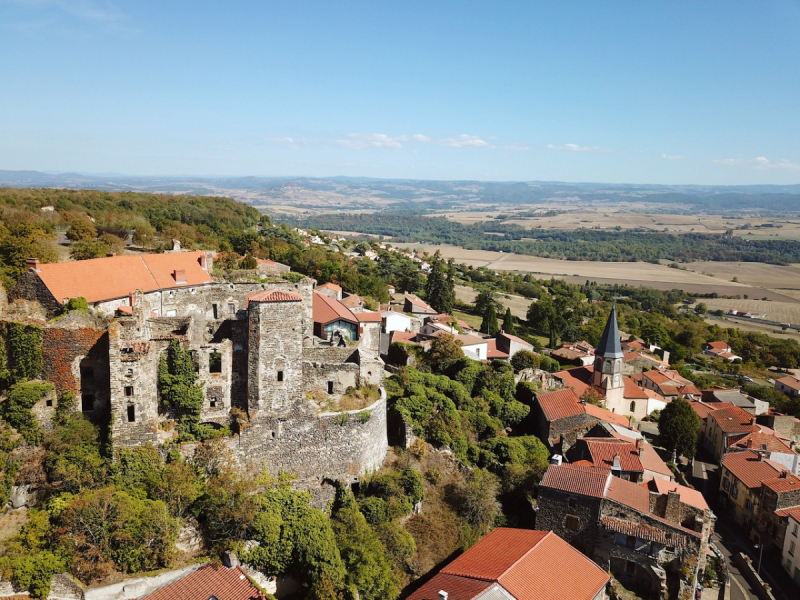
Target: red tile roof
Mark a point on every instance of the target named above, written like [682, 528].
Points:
[514, 338]
[687, 495]
[603, 450]
[492, 351]
[327, 310]
[633, 391]
[329, 286]
[560, 404]
[607, 415]
[733, 420]
[718, 345]
[368, 317]
[530, 565]
[113, 277]
[405, 337]
[762, 441]
[785, 482]
[575, 479]
[271, 296]
[791, 382]
[418, 302]
[793, 512]
[748, 468]
[457, 588]
[577, 379]
[630, 494]
[643, 531]
[216, 581]
[351, 301]
[704, 408]
[651, 461]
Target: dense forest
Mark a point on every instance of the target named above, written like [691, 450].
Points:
[581, 244]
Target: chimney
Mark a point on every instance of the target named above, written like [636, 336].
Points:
[639, 445]
[784, 474]
[131, 298]
[179, 275]
[202, 261]
[616, 466]
[443, 595]
[32, 263]
[176, 245]
[749, 442]
[555, 459]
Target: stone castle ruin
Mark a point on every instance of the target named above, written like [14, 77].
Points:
[253, 346]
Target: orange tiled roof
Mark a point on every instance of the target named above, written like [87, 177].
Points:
[629, 494]
[633, 391]
[733, 420]
[326, 310]
[351, 301]
[329, 286]
[492, 351]
[418, 302]
[368, 316]
[270, 296]
[577, 479]
[651, 461]
[793, 512]
[607, 415]
[457, 587]
[791, 382]
[405, 337]
[749, 468]
[603, 450]
[219, 582]
[113, 277]
[718, 345]
[514, 338]
[763, 441]
[643, 531]
[687, 495]
[531, 565]
[560, 404]
[785, 482]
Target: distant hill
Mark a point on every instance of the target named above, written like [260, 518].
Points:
[337, 193]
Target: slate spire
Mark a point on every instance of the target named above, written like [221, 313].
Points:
[609, 346]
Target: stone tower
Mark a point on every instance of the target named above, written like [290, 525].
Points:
[608, 364]
[275, 351]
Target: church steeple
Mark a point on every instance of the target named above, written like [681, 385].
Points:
[608, 357]
[609, 346]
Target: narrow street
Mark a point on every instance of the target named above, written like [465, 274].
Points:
[731, 539]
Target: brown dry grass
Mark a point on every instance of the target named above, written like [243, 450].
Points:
[785, 312]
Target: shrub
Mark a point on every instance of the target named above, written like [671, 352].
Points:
[16, 410]
[24, 351]
[525, 359]
[411, 480]
[374, 510]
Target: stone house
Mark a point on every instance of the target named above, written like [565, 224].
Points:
[517, 564]
[630, 459]
[331, 290]
[109, 283]
[511, 344]
[416, 306]
[272, 268]
[752, 405]
[645, 536]
[724, 427]
[789, 385]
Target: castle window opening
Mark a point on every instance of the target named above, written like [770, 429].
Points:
[87, 372]
[215, 310]
[280, 375]
[633, 406]
[630, 567]
[49, 402]
[330, 387]
[572, 503]
[215, 362]
[129, 390]
[87, 402]
[232, 308]
[213, 403]
[131, 413]
[573, 524]
[129, 373]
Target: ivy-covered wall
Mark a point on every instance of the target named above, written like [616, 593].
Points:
[22, 349]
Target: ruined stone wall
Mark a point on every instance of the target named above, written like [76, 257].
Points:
[30, 287]
[317, 376]
[555, 509]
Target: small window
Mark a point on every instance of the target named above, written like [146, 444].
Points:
[330, 387]
[231, 309]
[213, 403]
[215, 362]
[129, 390]
[49, 402]
[131, 413]
[791, 548]
[87, 402]
[172, 313]
[126, 350]
[215, 310]
[633, 406]
[129, 373]
[794, 530]
[573, 523]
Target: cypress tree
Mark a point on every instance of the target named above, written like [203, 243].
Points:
[508, 322]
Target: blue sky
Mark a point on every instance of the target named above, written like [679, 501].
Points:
[641, 92]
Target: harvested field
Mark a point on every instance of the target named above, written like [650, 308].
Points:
[755, 327]
[518, 304]
[785, 312]
[755, 274]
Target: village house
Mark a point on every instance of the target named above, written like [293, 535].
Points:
[511, 344]
[632, 460]
[212, 581]
[636, 532]
[772, 446]
[666, 382]
[752, 405]
[725, 427]
[416, 306]
[392, 320]
[791, 545]
[272, 268]
[580, 354]
[517, 564]
[789, 385]
[721, 350]
[330, 289]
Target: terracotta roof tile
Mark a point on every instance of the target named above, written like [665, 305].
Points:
[560, 404]
[762, 441]
[607, 415]
[779, 485]
[514, 338]
[368, 316]
[113, 277]
[271, 296]
[629, 494]
[644, 531]
[492, 351]
[718, 345]
[418, 302]
[326, 310]
[633, 391]
[687, 495]
[219, 582]
[793, 512]
[531, 565]
[733, 420]
[457, 588]
[748, 468]
[603, 450]
[586, 481]
[791, 382]
[329, 286]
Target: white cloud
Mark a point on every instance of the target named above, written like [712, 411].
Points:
[360, 141]
[418, 137]
[578, 148]
[464, 141]
[759, 162]
[672, 156]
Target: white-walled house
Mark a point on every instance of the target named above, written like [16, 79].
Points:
[791, 545]
[473, 346]
[397, 321]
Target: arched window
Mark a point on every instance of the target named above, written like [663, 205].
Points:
[633, 406]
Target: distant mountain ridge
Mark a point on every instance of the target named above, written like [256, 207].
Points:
[338, 193]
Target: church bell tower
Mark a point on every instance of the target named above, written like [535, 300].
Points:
[608, 357]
